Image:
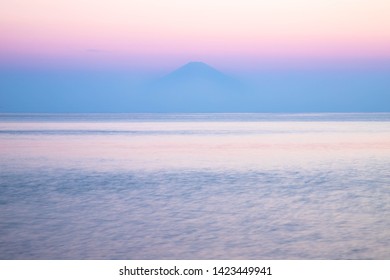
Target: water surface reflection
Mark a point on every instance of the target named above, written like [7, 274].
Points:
[195, 189]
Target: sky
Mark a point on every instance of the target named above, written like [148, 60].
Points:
[230, 34]
[95, 55]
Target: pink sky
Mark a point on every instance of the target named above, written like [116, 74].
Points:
[120, 32]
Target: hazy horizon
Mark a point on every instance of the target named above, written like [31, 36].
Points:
[268, 90]
[293, 56]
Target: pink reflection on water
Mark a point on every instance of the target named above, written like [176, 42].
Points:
[160, 145]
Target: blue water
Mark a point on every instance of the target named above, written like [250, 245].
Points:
[195, 186]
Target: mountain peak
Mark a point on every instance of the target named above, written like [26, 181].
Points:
[196, 64]
[197, 69]
[194, 85]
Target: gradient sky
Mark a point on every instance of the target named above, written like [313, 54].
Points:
[225, 33]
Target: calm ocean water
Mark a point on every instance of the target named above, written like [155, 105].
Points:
[195, 186]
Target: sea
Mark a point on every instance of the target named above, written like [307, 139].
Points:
[195, 186]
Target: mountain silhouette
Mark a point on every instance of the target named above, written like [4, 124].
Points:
[194, 87]
[198, 72]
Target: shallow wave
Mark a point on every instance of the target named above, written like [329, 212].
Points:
[201, 214]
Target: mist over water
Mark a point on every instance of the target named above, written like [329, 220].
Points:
[194, 186]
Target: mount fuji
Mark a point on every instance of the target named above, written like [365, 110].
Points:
[194, 87]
